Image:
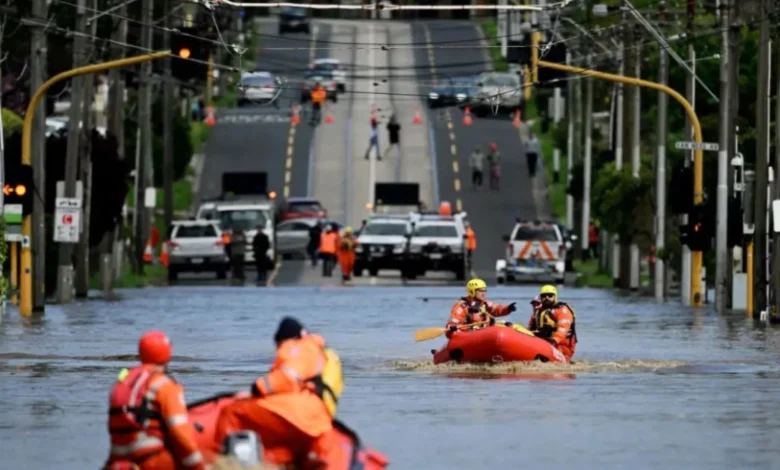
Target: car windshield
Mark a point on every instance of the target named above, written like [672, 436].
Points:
[383, 228]
[501, 80]
[292, 11]
[196, 231]
[305, 207]
[327, 66]
[245, 219]
[257, 80]
[542, 233]
[441, 231]
[318, 75]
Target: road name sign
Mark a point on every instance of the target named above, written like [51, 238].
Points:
[706, 146]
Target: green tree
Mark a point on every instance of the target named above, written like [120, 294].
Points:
[624, 205]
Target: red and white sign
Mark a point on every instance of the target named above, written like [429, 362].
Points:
[67, 220]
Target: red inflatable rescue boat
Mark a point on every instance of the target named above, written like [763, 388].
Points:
[203, 416]
[496, 344]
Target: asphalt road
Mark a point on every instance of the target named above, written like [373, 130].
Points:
[491, 213]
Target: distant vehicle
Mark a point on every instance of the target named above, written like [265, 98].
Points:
[437, 243]
[302, 208]
[249, 215]
[383, 244]
[453, 92]
[207, 211]
[256, 87]
[324, 78]
[292, 236]
[294, 19]
[536, 251]
[196, 246]
[334, 66]
[501, 90]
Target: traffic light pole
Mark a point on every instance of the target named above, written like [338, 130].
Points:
[26, 284]
[698, 165]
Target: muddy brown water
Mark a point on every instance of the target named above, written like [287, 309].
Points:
[653, 385]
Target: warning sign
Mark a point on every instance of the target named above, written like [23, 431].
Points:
[67, 220]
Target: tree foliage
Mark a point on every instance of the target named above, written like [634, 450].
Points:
[624, 204]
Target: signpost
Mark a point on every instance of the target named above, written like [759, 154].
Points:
[12, 215]
[67, 220]
[705, 146]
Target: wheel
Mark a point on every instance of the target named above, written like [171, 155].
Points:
[357, 271]
[172, 274]
[510, 278]
[411, 274]
[373, 271]
[460, 275]
[306, 30]
[281, 31]
[500, 279]
[222, 274]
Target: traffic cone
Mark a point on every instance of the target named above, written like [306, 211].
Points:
[417, 118]
[329, 118]
[164, 254]
[467, 116]
[210, 120]
[516, 121]
[148, 253]
[295, 119]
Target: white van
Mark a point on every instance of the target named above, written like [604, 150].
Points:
[248, 215]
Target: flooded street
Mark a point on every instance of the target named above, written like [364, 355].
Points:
[652, 387]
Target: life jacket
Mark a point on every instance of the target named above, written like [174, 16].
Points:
[477, 311]
[348, 243]
[546, 325]
[135, 423]
[330, 383]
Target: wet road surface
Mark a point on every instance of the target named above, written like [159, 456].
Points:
[654, 386]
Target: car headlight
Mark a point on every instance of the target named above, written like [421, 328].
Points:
[433, 96]
[457, 248]
[399, 248]
[560, 266]
[358, 249]
[460, 96]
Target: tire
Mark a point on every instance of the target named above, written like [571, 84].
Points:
[172, 275]
[500, 280]
[222, 274]
[460, 275]
[357, 271]
[307, 30]
[281, 31]
[373, 271]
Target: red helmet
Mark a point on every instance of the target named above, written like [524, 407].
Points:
[494, 146]
[154, 348]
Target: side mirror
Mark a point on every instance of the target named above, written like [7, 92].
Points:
[505, 238]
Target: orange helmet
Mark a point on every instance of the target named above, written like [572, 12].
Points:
[154, 348]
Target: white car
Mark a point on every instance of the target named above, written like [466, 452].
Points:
[249, 215]
[437, 243]
[502, 90]
[382, 244]
[196, 246]
[536, 251]
[207, 211]
[334, 66]
[256, 87]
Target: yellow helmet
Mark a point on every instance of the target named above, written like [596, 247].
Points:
[474, 285]
[348, 231]
[549, 289]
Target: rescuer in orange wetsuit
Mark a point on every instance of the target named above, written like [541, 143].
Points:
[347, 247]
[329, 247]
[283, 407]
[148, 416]
[475, 308]
[555, 322]
[471, 242]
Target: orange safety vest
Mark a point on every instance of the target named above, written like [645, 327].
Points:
[471, 239]
[328, 243]
[226, 238]
[318, 95]
[134, 419]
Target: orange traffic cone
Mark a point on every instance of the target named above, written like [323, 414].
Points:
[210, 120]
[516, 121]
[329, 118]
[417, 118]
[164, 254]
[295, 119]
[467, 116]
[148, 253]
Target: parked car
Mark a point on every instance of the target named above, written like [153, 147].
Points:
[256, 87]
[292, 236]
[324, 78]
[382, 244]
[453, 92]
[437, 243]
[334, 66]
[502, 90]
[294, 19]
[302, 208]
[196, 246]
[536, 251]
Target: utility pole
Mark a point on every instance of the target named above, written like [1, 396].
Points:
[660, 166]
[569, 145]
[629, 102]
[636, 150]
[776, 235]
[586, 172]
[144, 168]
[734, 54]
[167, 124]
[722, 264]
[690, 95]
[762, 142]
[111, 246]
[577, 105]
[618, 153]
[65, 275]
[38, 52]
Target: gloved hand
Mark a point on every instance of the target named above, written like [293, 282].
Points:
[453, 329]
[492, 321]
[508, 323]
[511, 307]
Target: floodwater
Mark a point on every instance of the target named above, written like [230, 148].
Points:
[653, 386]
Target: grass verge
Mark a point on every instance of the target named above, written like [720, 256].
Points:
[154, 275]
[591, 275]
[490, 30]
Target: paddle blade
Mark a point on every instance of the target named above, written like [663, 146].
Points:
[428, 333]
[522, 329]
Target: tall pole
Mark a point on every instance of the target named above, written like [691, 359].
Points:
[618, 157]
[629, 102]
[660, 167]
[586, 173]
[762, 111]
[37, 73]
[143, 169]
[569, 146]
[721, 221]
[690, 94]
[577, 104]
[734, 55]
[167, 124]
[776, 235]
[636, 150]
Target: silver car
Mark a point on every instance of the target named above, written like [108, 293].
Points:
[256, 87]
[292, 236]
[196, 246]
[497, 90]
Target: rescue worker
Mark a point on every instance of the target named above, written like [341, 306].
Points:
[226, 243]
[471, 242]
[260, 246]
[329, 242]
[475, 308]
[286, 407]
[318, 97]
[314, 242]
[347, 246]
[147, 419]
[237, 250]
[555, 322]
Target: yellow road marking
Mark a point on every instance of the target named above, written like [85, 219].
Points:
[458, 205]
[455, 166]
[453, 150]
[457, 184]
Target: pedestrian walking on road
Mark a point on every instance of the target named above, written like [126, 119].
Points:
[260, 246]
[237, 252]
[477, 164]
[312, 248]
[393, 135]
[494, 164]
[373, 142]
[532, 151]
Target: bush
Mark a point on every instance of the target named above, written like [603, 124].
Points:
[624, 205]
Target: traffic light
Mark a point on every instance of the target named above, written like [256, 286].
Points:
[699, 229]
[18, 188]
[680, 194]
[190, 55]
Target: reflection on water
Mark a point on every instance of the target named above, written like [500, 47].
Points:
[653, 386]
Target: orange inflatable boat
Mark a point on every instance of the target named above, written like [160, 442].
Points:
[496, 344]
[203, 416]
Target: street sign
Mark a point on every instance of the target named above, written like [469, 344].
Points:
[67, 219]
[12, 214]
[706, 146]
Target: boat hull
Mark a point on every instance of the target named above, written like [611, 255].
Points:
[496, 344]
